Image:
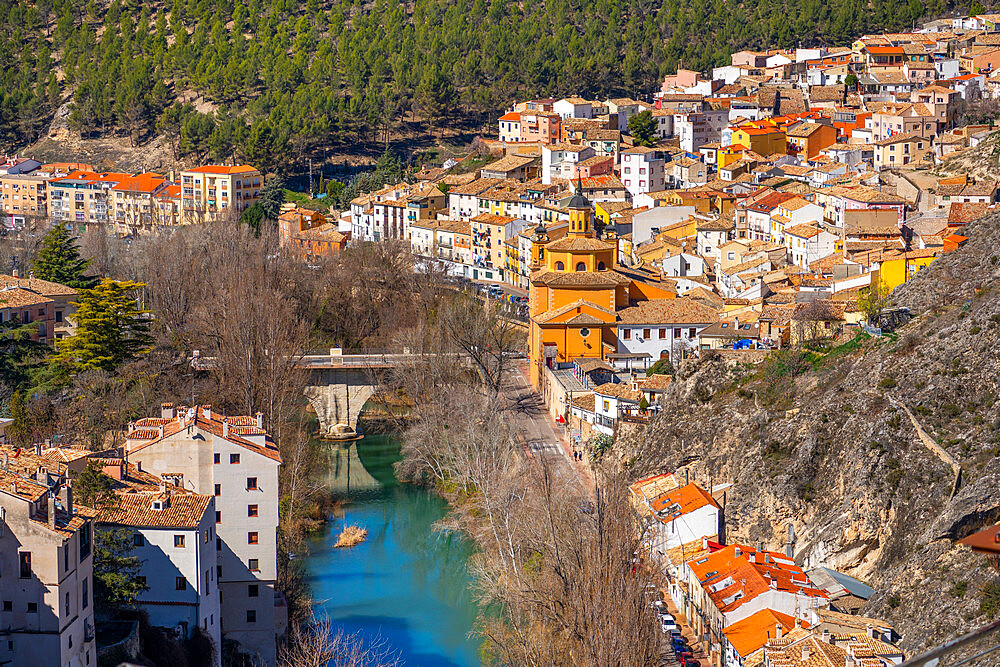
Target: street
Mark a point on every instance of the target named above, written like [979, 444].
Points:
[537, 432]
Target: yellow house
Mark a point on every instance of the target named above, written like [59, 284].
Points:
[896, 268]
[574, 293]
[766, 140]
[730, 154]
[700, 199]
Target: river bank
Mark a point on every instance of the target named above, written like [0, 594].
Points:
[407, 586]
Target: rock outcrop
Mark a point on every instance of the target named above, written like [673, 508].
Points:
[821, 442]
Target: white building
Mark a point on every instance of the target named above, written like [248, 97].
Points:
[234, 460]
[174, 538]
[808, 243]
[682, 516]
[573, 107]
[662, 328]
[560, 160]
[46, 576]
[642, 170]
[697, 128]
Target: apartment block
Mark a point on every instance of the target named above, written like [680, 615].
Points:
[81, 197]
[22, 196]
[208, 191]
[173, 534]
[134, 205]
[643, 170]
[46, 565]
[234, 460]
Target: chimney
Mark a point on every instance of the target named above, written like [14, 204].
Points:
[704, 540]
[167, 410]
[3, 460]
[849, 660]
[767, 558]
[14, 273]
[805, 652]
[159, 430]
[778, 631]
[827, 636]
[774, 584]
[737, 552]
[66, 496]
[206, 411]
[38, 449]
[163, 487]
[260, 419]
[870, 631]
[795, 622]
[225, 428]
[736, 321]
[52, 511]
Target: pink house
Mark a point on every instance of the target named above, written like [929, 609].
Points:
[598, 165]
[684, 78]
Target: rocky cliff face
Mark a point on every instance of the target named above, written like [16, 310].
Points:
[822, 443]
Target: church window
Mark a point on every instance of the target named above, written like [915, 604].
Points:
[560, 266]
[580, 266]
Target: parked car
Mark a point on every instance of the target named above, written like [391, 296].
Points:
[668, 624]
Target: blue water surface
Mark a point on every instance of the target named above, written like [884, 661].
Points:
[407, 585]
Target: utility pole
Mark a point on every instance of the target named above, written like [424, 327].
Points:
[310, 178]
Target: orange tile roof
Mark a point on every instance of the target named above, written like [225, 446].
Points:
[213, 424]
[135, 508]
[731, 580]
[147, 182]
[221, 169]
[513, 115]
[689, 498]
[751, 633]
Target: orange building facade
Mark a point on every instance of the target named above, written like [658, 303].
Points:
[574, 293]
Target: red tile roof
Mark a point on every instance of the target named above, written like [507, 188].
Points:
[731, 580]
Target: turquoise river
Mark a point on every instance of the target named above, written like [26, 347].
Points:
[407, 585]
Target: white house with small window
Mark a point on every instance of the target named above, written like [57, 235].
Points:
[233, 459]
[173, 535]
[663, 328]
[808, 243]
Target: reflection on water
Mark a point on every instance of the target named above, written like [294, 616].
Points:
[406, 584]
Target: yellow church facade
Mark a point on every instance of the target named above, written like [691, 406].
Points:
[574, 293]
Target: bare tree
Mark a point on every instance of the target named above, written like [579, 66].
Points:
[318, 644]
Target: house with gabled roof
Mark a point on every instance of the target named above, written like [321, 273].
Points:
[235, 460]
[737, 581]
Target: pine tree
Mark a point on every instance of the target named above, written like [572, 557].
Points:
[115, 569]
[272, 196]
[642, 127]
[19, 431]
[110, 328]
[59, 260]
[93, 488]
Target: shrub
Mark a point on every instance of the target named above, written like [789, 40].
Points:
[990, 602]
[888, 382]
[958, 589]
[894, 600]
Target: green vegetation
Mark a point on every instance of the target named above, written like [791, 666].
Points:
[59, 260]
[115, 569]
[642, 127]
[93, 488]
[111, 328]
[989, 604]
[285, 78]
[661, 367]
[958, 589]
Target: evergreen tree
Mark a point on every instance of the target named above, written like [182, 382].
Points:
[59, 260]
[19, 431]
[116, 569]
[19, 354]
[253, 217]
[642, 127]
[93, 488]
[110, 328]
[272, 196]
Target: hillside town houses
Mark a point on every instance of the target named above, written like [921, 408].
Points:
[776, 191]
[196, 493]
[80, 196]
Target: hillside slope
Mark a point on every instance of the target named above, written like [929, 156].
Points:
[284, 77]
[824, 445]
